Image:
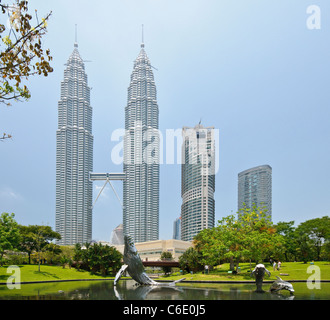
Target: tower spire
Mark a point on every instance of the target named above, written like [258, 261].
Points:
[142, 44]
[75, 37]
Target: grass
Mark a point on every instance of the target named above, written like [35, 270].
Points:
[295, 271]
[30, 273]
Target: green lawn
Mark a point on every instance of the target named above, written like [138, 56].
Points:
[30, 273]
[295, 271]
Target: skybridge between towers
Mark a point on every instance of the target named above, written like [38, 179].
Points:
[107, 177]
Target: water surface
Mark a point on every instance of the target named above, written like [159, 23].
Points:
[127, 290]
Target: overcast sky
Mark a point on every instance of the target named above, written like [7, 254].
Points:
[250, 68]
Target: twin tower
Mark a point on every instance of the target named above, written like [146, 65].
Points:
[74, 155]
[74, 161]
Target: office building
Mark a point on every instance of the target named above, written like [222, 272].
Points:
[74, 155]
[198, 181]
[152, 250]
[117, 236]
[177, 229]
[255, 188]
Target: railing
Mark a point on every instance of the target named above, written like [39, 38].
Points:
[161, 263]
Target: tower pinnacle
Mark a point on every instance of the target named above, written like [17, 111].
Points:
[142, 44]
[75, 37]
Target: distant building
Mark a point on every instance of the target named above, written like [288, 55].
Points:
[152, 250]
[197, 181]
[74, 155]
[117, 236]
[177, 229]
[255, 188]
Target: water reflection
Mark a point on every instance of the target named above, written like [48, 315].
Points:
[131, 292]
[127, 290]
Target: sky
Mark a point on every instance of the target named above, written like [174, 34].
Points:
[253, 69]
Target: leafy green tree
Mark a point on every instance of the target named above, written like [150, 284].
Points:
[305, 248]
[318, 231]
[259, 239]
[51, 251]
[41, 236]
[167, 256]
[210, 244]
[97, 258]
[287, 231]
[27, 243]
[9, 233]
[326, 251]
[81, 256]
[251, 236]
[190, 260]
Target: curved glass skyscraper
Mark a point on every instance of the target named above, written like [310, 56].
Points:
[141, 154]
[74, 155]
[255, 188]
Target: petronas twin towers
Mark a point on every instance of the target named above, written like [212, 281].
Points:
[74, 155]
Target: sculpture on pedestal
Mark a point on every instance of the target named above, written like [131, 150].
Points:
[259, 273]
[133, 265]
[280, 284]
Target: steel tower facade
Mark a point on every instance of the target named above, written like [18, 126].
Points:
[74, 155]
[141, 154]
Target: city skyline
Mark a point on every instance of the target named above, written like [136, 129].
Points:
[252, 69]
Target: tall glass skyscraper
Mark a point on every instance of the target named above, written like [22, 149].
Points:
[198, 181]
[255, 188]
[74, 155]
[141, 154]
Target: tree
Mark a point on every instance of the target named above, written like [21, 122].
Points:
[190, 260]
[167, 256]
[97, 258]
[22, 54]
[41, 236]
[66, 256]
[318, 231]
[27, 243]
[287, 231]
[78, 255]
[259, 237]
[252, 236]
[9, 233]
[304, 246]
[210, 244]
[51, 251]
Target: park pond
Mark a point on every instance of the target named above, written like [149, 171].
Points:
[128, 290]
